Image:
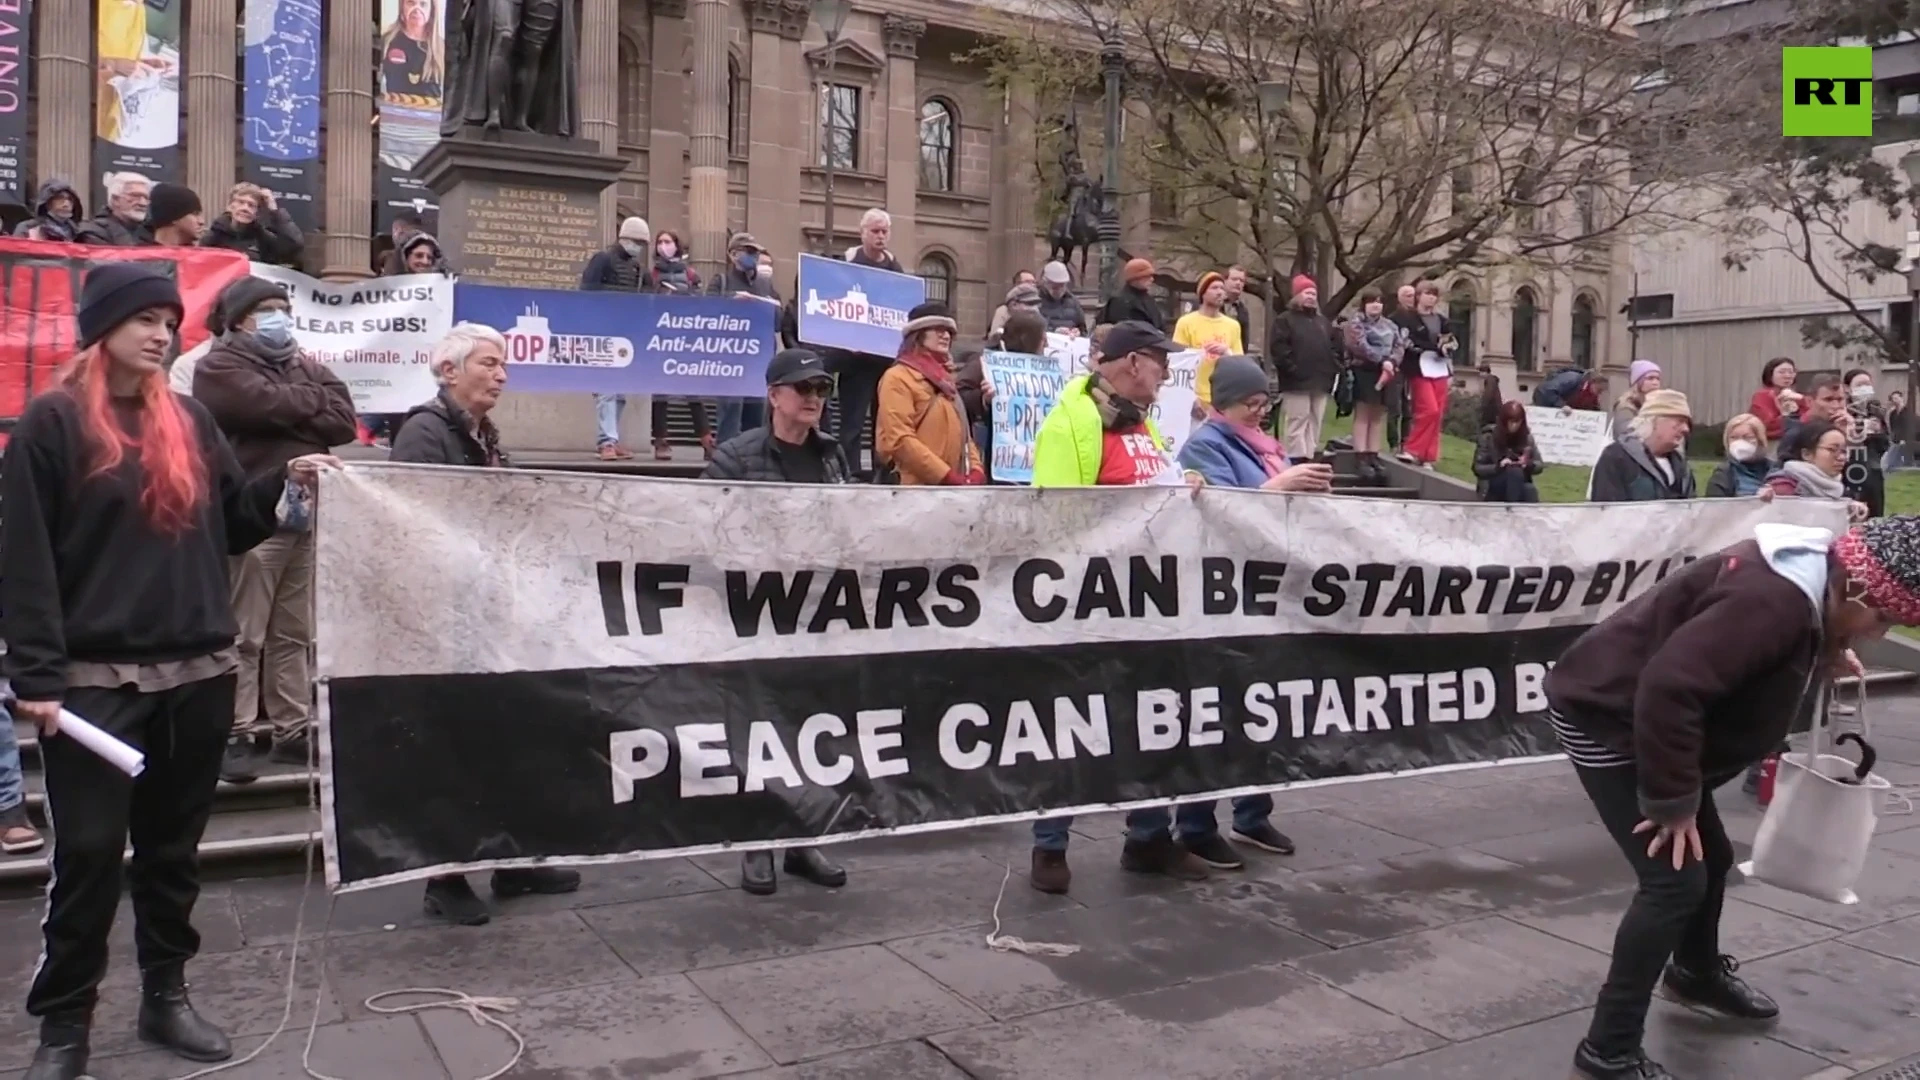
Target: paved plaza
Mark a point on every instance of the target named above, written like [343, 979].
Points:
[1446, 928]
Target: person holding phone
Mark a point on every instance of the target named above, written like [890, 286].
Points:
[1676, 694]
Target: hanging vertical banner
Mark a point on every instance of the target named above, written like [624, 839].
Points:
[280, 121]
[136, 123]
[413, 67]
[16, 20]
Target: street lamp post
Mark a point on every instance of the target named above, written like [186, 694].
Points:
[1273, 99]
[1113, 65]
[832, 17]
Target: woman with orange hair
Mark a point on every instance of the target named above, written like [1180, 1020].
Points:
[123, 502]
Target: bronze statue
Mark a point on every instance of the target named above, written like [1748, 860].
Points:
[1079, 227]
[513, 65]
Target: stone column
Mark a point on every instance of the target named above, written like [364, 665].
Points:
[667, 95]
[212, 28]
[902, 36]
[773, 165]
[600, 92]
[1010, 214]
[63, 74]
[349, 149]
[707, 142]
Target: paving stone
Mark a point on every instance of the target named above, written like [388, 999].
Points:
[895, 1061]
[1521, 975]
[1689, 1044]
[1125, 948]
[517, 957]
[387, 1046]
[1747, 931]
[1889, 889]
[802, 1007]
[20, 937]
[1906, 842]
[661, 1028]
[1265, 1022]
[1476, 815]
[1496, 775]
[1324, 838]
[683, 933]
[1900, 940]
[995, 842]
[1843, 1003]
[1583, 855]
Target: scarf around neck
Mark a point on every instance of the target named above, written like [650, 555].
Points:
[1814, 483]
[1115, 411]
[1272, 455]
[931, 368]
[280, 354]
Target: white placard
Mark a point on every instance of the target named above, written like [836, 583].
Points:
[376, 335]
[1569, 436]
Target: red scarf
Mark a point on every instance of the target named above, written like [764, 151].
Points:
[932, 368]
[1272, 455]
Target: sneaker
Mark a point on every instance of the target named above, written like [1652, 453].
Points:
[452, 899]
[1590, 1066]
[240, 764]
[544, 880]
[1719, 990]
[1213, 850]
[1265, 837]
[1050, 873]
[294, 750]
[1161, 855]
[17, 834]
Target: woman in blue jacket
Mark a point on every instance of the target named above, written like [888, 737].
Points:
[1230, 449]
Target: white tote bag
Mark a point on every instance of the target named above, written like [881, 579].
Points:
[1817, 830]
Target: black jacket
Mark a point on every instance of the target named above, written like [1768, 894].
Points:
[1131, 303]
[438, 433]
[85, 576]
[270, 238]
[612, 268]
[106, 230]
[1238, 309]
[1419, 339]
[1626, 473]
[755, 456]
[733, 281]
[1306, 351]
[52, 228]
[1063, 312]
[1488, 453]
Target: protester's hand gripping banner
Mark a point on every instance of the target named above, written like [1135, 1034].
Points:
[800, 669]
[861, 309]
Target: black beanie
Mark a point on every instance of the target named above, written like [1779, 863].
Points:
[168, 203]
[116, 292]
[239, 299]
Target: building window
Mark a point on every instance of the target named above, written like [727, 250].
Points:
[840, 126]
[1460, 314]
[1583, 332]
[736, 110]
[937, 271]
[1526, 321]
[1652, 306]
[937, 134]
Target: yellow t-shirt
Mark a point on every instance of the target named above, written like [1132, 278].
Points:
[122, 35]
[1197, 330]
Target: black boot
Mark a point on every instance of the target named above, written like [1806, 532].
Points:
[241, 763]
[167, 1017]
[545, 880]
[1590, 1066]
[1720, 990]
[808, 863]
[63, 1049]
[756, 873]
[452, 899]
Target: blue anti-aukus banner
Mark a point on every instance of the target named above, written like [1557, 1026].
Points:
[859, 308]
[626, 343]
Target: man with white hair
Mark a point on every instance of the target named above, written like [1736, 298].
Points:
[454, 429]
[1058, 305]
[123, 222]
[858, 374]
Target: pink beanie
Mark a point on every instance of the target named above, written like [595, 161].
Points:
[1640, 369]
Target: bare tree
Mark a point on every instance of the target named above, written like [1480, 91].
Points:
[1418, 135]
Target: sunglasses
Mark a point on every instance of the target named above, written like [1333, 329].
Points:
[813, 388]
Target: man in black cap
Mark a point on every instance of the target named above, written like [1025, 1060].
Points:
[746, 277]
[790, 449]
[174, 216]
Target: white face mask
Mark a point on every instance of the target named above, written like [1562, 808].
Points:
[633, 247]
[1743, 449]
[763, 271]
[1863, 392]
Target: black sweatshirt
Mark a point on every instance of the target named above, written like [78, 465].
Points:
[84, 576]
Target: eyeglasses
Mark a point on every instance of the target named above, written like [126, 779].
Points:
[813, 388]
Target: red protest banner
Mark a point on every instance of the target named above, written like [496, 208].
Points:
[40, 289]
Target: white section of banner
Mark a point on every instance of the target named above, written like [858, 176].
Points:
[429, 570]
[377, 335]
[1569, 436]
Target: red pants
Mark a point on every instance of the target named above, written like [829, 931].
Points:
[1429, 409]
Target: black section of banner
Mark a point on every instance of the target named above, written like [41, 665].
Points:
[439, 770]
[16, 47]
[295, 185]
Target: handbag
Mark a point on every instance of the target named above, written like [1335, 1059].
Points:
[1343, 393]
[1817, 831]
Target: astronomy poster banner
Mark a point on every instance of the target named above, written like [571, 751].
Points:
[280, 114]
[412, 69]
[16, 21]
[136, 125]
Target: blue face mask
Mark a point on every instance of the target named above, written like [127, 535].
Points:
[748, 262]
[273, 328]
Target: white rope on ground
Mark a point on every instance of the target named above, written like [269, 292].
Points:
[999, 942]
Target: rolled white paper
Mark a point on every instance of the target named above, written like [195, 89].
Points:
[118, 754]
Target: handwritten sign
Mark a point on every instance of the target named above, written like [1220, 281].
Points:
[1569, 436]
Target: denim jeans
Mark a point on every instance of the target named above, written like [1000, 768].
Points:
[13, 786]
[607, 409]
[1195, 820]
[740, 414]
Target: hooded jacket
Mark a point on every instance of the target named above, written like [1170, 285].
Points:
[271, 237]
[52, 228]
[272, 411]
[1625, 472]
[414, 240]
[1704, 674]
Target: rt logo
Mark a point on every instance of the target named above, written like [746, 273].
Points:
[1827, 92]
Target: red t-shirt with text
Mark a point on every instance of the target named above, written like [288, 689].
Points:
[1128, 456]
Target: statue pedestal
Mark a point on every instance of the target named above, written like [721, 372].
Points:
[518, 208]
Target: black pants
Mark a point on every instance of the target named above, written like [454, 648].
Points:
[1510, 485]
[1675, 913]
[95, 809]
[858, 398]
[702, 422]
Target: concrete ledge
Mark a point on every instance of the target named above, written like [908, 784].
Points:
[1893, 651]
[1432, 484]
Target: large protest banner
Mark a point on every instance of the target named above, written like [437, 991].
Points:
[16, 51]
[626, 343]
[815, 664]
[377, 336]
[40, 291]
[1569, 436]
[859, 308]
[280, 104]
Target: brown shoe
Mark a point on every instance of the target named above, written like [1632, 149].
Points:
[662, 451]
[1050, 873]
[17, 834]
[1161, 855]
[613, 451]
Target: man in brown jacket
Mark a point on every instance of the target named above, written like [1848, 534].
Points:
[274, 405]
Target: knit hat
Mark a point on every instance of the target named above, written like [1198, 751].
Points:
[636, 228]
[1883, 555]
[1640, 369]
[1237, 378]
[928, 316]
[1056, 272]
[1207, 281]
[1027, 295]
[744, 241]
[1135, 270]
[1303, 282]
[1666, 403]
[238, 300]
[168, 203]
[117, 291]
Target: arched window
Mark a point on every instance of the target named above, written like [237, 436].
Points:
[938, 131]
[1460, 314]
[634, 76]
[1583, 333]
[736, 110]
[1526, 319]
[937, 271]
